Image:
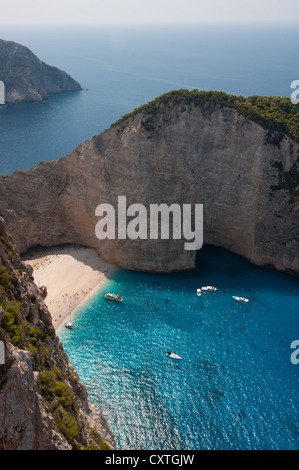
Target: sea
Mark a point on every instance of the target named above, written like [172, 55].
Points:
[236, 385]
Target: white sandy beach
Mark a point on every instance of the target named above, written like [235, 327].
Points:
[70, 274]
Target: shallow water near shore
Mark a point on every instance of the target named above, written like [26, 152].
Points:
[235, 386]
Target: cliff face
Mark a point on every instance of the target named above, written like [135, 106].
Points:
[27, 78]
[43, 404]
[182, 153]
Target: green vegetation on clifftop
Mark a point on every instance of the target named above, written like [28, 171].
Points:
[276, 114]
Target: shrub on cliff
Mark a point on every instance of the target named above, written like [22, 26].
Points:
[273, 113]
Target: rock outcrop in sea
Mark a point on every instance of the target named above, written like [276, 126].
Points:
[178, 149]
[27, 78]
[43, 403]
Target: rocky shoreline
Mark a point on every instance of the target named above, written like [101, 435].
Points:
[44, 405]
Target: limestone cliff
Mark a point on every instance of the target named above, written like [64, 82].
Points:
[43, 404]
[27, 78]
[177, 151]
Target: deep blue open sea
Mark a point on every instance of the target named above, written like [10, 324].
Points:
[125, 67]
[235, 387]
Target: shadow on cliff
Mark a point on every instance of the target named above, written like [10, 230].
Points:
[215, 264]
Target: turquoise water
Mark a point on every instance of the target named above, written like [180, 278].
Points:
[125, 67]
[235, 387]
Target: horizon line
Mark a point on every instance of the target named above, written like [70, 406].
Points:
[153, 23]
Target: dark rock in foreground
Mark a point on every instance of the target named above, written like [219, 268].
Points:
[44, 405]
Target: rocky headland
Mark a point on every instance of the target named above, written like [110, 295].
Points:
[238, 157]
[44, 405]
[27, 78]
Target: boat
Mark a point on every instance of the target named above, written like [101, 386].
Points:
[70, 326]
[209, 288]
[173, 355]
[116, 297]
[198, 292]
[241, 299]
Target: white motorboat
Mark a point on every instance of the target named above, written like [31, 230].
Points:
[70, 326]
[209, 288]
[173, 355]
[198, 292]
[241, 299]
[115, 297]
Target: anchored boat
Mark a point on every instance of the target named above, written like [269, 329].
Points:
[115, 297]
[241, 299]
[173, 355]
